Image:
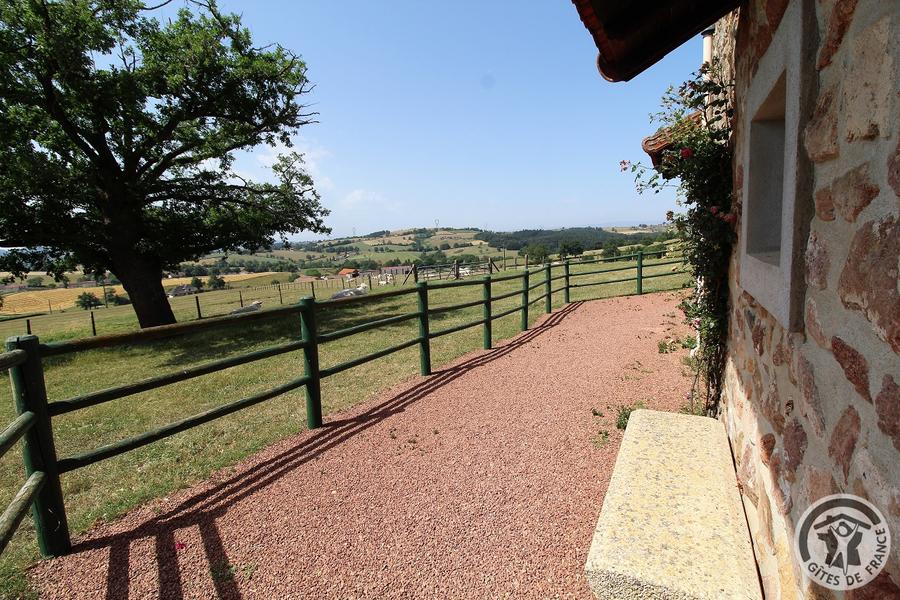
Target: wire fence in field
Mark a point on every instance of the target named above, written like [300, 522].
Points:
[75, 322]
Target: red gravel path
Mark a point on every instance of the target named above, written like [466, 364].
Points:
[481, 481]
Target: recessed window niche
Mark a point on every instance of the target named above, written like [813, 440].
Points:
[770, 153]
[766, 185]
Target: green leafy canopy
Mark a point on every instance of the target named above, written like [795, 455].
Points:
[118, 133]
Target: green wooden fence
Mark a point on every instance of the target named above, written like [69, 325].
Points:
[24, 354]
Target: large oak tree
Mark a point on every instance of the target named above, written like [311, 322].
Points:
[118, 132]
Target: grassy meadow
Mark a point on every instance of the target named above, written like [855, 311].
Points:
[107, 489]
[75, 322]
[61, 298]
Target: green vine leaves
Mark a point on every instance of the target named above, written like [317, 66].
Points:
[696, 159]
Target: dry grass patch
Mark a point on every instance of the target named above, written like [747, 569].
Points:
[64, 298]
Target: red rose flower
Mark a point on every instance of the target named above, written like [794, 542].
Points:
[686, 153]
[180, 546]
[714, 210]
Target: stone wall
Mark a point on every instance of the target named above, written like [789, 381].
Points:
[816, 411]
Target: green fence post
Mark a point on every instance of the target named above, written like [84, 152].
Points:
[309, 333]
[39, 453]
[548, 287]
[566, 281]
[488, 334]
[525, 296]
[424, 339]
[640, 271]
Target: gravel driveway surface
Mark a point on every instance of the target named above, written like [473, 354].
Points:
[483, 480]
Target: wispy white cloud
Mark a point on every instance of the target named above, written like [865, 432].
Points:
[367, 202]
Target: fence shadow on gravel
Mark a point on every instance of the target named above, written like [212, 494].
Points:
[202, 509]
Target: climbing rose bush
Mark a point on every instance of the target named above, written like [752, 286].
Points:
[697, 162]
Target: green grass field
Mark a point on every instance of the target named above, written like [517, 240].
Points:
[107, 489]
[75, 322]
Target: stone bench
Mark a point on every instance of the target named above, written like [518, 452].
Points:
[672, 525]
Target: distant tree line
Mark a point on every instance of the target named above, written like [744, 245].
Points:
[238, 265]
[342, 248]
[214, 282]
[537, 244]
[588, 238]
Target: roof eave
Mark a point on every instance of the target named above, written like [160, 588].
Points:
[632, 39]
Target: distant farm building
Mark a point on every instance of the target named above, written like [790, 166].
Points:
[182, 290]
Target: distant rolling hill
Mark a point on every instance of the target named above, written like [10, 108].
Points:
[430, 245]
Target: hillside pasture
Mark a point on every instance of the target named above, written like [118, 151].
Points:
[59, 299]
[396, 237]
[398, 244]
[72, 275]
[75, 322]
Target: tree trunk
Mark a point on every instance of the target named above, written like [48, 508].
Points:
[143, 281]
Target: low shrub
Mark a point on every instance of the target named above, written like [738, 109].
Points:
[667, 345]
[624, 413]
[601, 439]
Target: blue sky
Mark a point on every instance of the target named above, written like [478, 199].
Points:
[486, 114]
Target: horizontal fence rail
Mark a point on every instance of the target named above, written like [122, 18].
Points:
[42, 492]
[15, 430]
[62, 407]
[21, 503]
[342, 333]
[110, 450]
